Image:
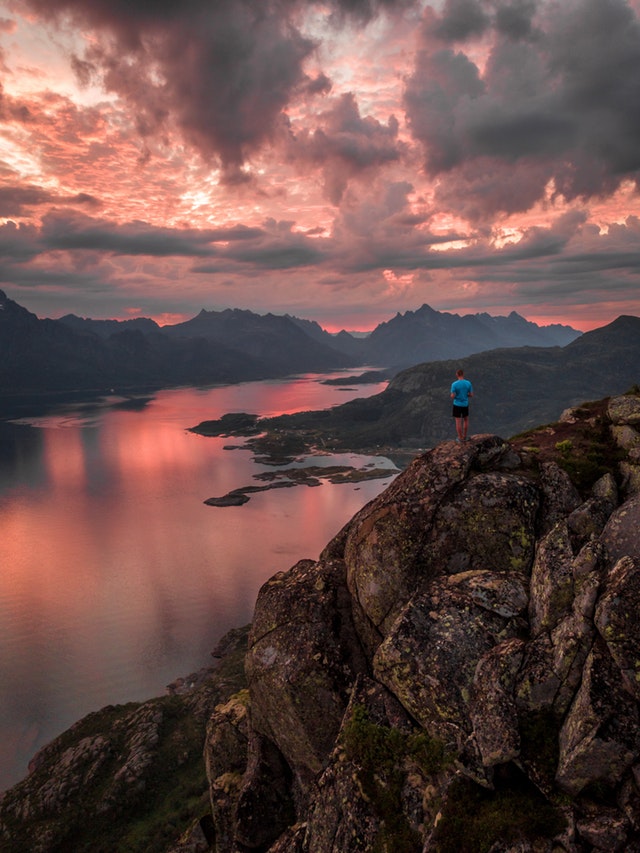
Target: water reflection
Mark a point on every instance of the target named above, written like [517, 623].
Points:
[115, 577]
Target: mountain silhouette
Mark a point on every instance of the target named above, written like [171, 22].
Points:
[429, 335]
[40, 357]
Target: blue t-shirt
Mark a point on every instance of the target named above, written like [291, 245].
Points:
[461, 388]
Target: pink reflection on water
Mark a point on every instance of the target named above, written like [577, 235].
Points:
[65, 460]
[116, 578]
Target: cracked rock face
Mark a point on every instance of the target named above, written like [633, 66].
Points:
[496, 605]
[620, 535]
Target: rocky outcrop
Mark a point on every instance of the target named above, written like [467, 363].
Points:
[490, 596]
[458, 671]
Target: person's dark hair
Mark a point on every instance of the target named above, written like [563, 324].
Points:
[459, 372]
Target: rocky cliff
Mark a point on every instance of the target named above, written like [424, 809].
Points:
[459, 671]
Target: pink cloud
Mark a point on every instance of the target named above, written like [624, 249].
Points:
[367, 156]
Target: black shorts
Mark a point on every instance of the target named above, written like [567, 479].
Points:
[461, 411]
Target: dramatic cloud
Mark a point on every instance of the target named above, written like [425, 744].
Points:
[221, 72]
[62, 230]
[552, 100]
[347, 146]
[340, 160]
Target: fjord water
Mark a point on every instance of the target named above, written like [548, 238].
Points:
[115, 577]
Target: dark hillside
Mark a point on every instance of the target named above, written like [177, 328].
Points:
[282, 345]
[514, 390]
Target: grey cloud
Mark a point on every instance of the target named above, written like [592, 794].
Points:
[515, 20]
[395, 247]
[72, 231]
[441, 83]
[14, 199]
[223, 72]
[320, 85]
[345, 145]
[461, 19]
[281, 257]
[19, 242]
[276, 248]
[366, 10]
[555, 98]
[39, 277]
[480, 187]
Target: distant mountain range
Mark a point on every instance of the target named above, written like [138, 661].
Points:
[515, 389]
[73, 354]
[428, 335]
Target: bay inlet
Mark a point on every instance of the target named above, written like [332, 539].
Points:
[116, 577]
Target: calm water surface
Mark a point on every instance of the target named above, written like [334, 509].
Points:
[115, 577]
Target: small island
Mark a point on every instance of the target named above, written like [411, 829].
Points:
[312, 475]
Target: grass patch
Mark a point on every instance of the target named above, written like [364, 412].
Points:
[589, 458]
[380, 753]
[584, 448]
[174, 794]
[474, 819]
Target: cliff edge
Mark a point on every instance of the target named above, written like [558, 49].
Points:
[459, 671]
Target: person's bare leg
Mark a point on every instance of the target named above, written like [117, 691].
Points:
[464, 428]
[459, 428]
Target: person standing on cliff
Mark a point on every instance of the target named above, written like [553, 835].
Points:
[461, 390]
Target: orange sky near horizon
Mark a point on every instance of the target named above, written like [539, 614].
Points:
[340, 162]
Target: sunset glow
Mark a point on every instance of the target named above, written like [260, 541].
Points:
[338, 161]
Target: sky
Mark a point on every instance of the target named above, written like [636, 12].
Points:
[340, 161]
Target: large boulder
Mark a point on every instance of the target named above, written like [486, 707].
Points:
[600, 737]
[303, 657]
[553, 659]
[429, 657]
[624, 413]
[624, 410]
[445, 513]
[265, 805]
[559, 495]
[488, 522]
[551, 580]
[493, 709]
[225, 754]
[587, 521]
[616, 619]
[620, 535]
[572, 637]
[372, 793]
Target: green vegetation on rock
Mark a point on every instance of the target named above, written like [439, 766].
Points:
[382, 755]
[473, 818]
